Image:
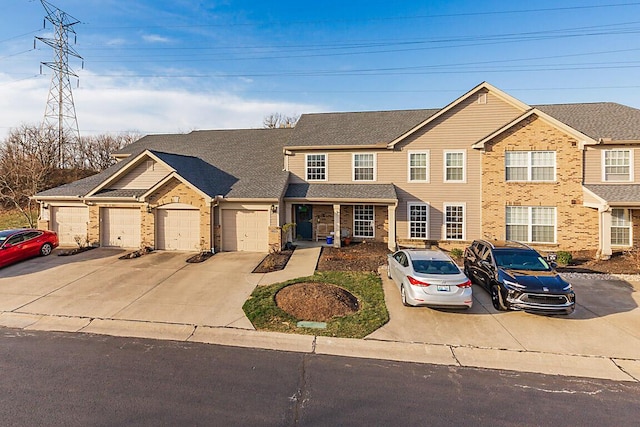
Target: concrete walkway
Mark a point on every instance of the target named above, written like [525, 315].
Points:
[171, 302]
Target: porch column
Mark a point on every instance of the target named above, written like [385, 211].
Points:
[604, 248]
[391, 218]
[337, 241]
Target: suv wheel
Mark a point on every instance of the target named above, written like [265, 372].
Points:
[497, 300]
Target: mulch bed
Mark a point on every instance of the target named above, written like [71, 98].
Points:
[137, 254]
[318, 302]
[274, 261]
[75, 251]
[201, 257]
[364, 256]
[619, 263]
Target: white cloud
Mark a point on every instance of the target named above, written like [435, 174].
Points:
[154, 38]
[140, 106]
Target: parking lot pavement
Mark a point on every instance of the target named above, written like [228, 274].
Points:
[606, 323]
[158, 287]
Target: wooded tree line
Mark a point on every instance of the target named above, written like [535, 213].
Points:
[33, 160]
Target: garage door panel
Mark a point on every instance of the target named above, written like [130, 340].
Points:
[245, 230]
[178, 229]
[120, 227]
[70, 222]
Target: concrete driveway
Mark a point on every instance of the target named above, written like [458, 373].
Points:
[606, 323]
[158, 287]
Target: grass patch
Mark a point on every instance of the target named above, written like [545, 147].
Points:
[13, 219]
[264, 314]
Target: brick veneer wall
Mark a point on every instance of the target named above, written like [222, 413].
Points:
[577, 226]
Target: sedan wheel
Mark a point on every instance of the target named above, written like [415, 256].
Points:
[46, 249]
[389, 271]
[403, 295]
[496, 299]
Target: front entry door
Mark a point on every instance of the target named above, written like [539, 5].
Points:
[304, 222]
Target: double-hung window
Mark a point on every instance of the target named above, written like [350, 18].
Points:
[364, 167]
[316, 167]
[454, 166]
[363, 221]
[617, 165]
[418, 166]
[620, 227]
[530, 166]
[418, 220]
[454, 221]
[534, 224]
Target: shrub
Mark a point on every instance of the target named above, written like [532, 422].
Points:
[456, 253]
[564, 258]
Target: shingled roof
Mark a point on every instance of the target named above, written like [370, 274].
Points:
[362, 128]
[598, 120]
[616, 194]
[244, 163]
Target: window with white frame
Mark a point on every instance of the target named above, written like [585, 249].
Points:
[454, 221]
[534, 224]
[364, 167]
[530, 165]
[620, 227]
[418, 166]
[316, 166]
[454, 166]
[418, 221]
[616, 165]
[363, 221]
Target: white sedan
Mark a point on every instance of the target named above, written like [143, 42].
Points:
[429, 277]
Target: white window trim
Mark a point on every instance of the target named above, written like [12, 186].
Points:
[631, 161]
[630, 242]
[464, 167]
[530, 166]
[409, 205]
[464, 220]
[353, 168]
[409, 153]
[530, 223]
[373, 223]
[326, 167]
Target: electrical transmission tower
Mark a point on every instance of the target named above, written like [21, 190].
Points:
[60, 112]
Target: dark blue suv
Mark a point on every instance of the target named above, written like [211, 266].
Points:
[518, 278]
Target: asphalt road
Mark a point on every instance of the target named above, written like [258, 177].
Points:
[58, 379]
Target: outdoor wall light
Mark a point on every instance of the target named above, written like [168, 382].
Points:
[274, 208]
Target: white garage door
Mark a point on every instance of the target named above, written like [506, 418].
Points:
[70, 222]
[245, 230]
[120, 227]
[178, 229]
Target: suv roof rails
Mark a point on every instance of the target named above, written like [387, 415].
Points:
[506, 242]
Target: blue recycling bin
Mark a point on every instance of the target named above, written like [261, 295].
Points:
[329, 240]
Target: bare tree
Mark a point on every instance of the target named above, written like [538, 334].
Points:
[279, 120]
[30, 163]
[95, 152]
[27, 163]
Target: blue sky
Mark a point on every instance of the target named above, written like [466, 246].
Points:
[157, 66]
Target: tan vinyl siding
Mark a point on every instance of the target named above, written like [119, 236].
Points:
[143, 176]
[593, 163]
[458, 129]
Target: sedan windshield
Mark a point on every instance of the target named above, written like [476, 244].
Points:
[521, 260]
[427, 266]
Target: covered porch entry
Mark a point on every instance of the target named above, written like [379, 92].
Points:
[340, 211]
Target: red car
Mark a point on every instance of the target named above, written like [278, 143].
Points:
[23, 243]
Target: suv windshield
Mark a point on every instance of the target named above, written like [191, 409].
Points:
[518, 259]
[434, 267]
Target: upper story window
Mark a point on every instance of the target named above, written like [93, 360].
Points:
[454, 166]
[364, 167]
[418, 166]
[617, 165]
[316, 167]
[530, 165]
